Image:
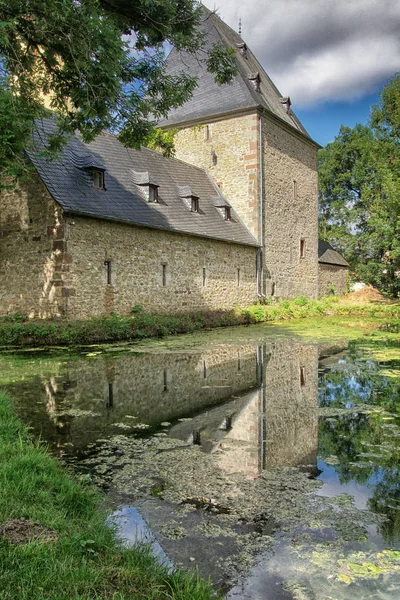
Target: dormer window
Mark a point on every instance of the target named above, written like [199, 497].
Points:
[146, 183]
[153, 193]
[194, 204]
[98, 179]
[287, 103]
[227, 213]
[189, 197]
[255, 81]
[242, 49]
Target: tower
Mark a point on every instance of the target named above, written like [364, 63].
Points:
[247, 137]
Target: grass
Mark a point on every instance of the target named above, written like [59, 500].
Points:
[84, 560]
[17, 331]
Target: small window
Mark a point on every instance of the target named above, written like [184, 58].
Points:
[164, 275]
[204, 276]
[110, 402]
[228, 213]
[153, 193]
[195, 204]
[294, 189]
[238, 276]
[302, 376]
[302, 248]
[207, 133]
[107, 264]
[98, 179]
[165, 378]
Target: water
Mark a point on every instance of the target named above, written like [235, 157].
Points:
[269, 461]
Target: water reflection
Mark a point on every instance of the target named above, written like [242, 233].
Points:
[360, 434]
[237, 451]
[256, 405]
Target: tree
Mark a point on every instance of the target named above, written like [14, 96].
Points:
[359, 182]
[101, 64]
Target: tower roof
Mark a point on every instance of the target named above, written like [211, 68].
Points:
[250, 88]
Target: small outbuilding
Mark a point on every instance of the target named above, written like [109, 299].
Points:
[333, 271]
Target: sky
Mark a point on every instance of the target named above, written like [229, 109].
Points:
[331, 57]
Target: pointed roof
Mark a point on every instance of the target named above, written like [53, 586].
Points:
[251, 88]
[328, 255]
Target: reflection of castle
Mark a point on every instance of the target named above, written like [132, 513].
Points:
[275, 425]
[254, 405]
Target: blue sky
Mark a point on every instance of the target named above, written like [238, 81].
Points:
[332, 57]
[323, 122]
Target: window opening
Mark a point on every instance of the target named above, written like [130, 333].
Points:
[165, 380]
[204, 369]
[98, 179]
[207, 133]
[195, 204]
[107, 264]
[238, 276]
[294, 189]
[196, 437]
[164, 275]
[110, 402]
[302, 248]
[204, 276]
[302, 376]
[153, 193]
[228, 213]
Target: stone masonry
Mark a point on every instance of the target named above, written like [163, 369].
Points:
[33, 264]
[332, 279]
[229, 150]
[290, 212]
[52, 264]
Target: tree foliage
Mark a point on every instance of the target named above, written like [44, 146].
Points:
[359, 182]
[101, 65]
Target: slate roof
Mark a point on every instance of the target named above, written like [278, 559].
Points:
[210, 99]
[328, 255]
[69, 179]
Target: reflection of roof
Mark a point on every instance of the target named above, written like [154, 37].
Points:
[328, 255]
[69, 180]
[212, 424]
[209, 98]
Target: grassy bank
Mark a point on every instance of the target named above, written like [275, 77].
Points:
[75, 554]
[16, 331]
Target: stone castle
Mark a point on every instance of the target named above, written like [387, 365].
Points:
[231, 220]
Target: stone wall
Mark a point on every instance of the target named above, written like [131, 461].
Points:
[228, 150]
[51, 265]
[162, 271]
[31, 234]
[291, 213]
[332, 276]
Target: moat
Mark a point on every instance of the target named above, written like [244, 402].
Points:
[264, 456]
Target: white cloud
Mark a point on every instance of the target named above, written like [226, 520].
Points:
[318, 50]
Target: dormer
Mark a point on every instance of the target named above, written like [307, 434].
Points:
[255, 81]
[242, 47]
[146, 183]
[223, 208]
[189, 197]
[287, 103]
[92, 165]
[98, 179]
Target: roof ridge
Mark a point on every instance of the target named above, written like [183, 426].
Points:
[240, 94]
